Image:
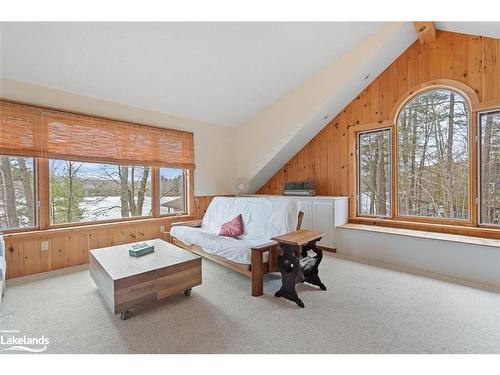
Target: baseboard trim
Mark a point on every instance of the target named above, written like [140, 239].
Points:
[45, 275]
[328, 249]
[428, 274]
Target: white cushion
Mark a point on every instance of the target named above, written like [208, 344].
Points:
[263, 218]
[236, 250]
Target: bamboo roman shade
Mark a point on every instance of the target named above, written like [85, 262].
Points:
[20, 130]
[27, 130]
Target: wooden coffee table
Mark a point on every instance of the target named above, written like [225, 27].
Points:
[128, 282]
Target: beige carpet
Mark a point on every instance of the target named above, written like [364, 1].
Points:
[365, 310]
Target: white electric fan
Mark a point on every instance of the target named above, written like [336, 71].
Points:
[240, 186]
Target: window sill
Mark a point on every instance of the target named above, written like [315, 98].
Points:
[438, 228]
[96, 226]
[423, 234]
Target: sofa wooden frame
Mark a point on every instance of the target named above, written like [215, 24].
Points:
[255, 271]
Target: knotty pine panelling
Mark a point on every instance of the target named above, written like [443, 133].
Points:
[472, 60]
[201, 204]
[70, 246]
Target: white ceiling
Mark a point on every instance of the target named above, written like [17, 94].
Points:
[221, 73]
[490, 29]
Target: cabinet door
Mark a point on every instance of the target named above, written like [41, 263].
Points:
[322, 221]
[306, 207]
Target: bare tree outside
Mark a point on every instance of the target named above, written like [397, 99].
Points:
[433, 156]
[490, 168]
[374, 152]
[17, 194]
[172, 197]
[90, 191]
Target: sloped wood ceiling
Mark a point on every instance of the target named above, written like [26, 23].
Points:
[469, 59]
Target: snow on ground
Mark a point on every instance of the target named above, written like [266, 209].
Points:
[108, 208]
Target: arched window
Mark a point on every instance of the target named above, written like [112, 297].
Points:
[432, 157]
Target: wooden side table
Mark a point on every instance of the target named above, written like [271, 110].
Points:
[295, 265]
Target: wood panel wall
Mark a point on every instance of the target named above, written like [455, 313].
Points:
[471, 60]
[201, 203]
[70, 246]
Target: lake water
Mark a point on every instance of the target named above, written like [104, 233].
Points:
[108, 208]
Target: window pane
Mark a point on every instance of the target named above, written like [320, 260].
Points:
[433, 156]
[375, 173]
[81, 192]
[17, 192]
[490, 168]
[172, 197]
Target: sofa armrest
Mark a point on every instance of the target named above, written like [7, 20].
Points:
[165, 236]
[189, 223]
[257, 265]
[265, 246]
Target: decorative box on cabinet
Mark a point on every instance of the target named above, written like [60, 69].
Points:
[321, 214]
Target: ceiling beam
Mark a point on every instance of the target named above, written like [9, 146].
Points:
[426, 31]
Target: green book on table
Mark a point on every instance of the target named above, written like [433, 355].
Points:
[139, 249]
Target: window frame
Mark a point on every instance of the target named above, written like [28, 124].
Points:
[478, 166]
[41, 177]
[461, 227]
[358, 171]
[470, 144]
[185, 195]
[74, 224]
[36, 201]
[42, 201]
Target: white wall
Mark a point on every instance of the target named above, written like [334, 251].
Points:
[269, 139]
[262, 145]
[214, 145]
[472, 263]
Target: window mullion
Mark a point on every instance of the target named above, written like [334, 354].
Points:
[43, 192]
[155, 191]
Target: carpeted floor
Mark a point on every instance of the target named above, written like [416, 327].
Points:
[365, 310]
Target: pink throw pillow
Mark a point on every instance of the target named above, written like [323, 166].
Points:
[232, 228]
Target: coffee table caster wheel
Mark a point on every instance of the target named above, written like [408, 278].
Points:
[187, 292]
[125, 315]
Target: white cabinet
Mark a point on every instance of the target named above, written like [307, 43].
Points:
[322, 214]
[323, 220]
[307, 208]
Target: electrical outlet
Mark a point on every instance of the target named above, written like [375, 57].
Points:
[44, 245]
[162, 228]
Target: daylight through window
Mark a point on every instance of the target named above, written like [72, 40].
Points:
[17, 192]
[172, 197]
[433, 156]
[374, 192]
[81, 192]
[489, 149]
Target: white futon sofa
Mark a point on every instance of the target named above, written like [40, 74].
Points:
[252, 253]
